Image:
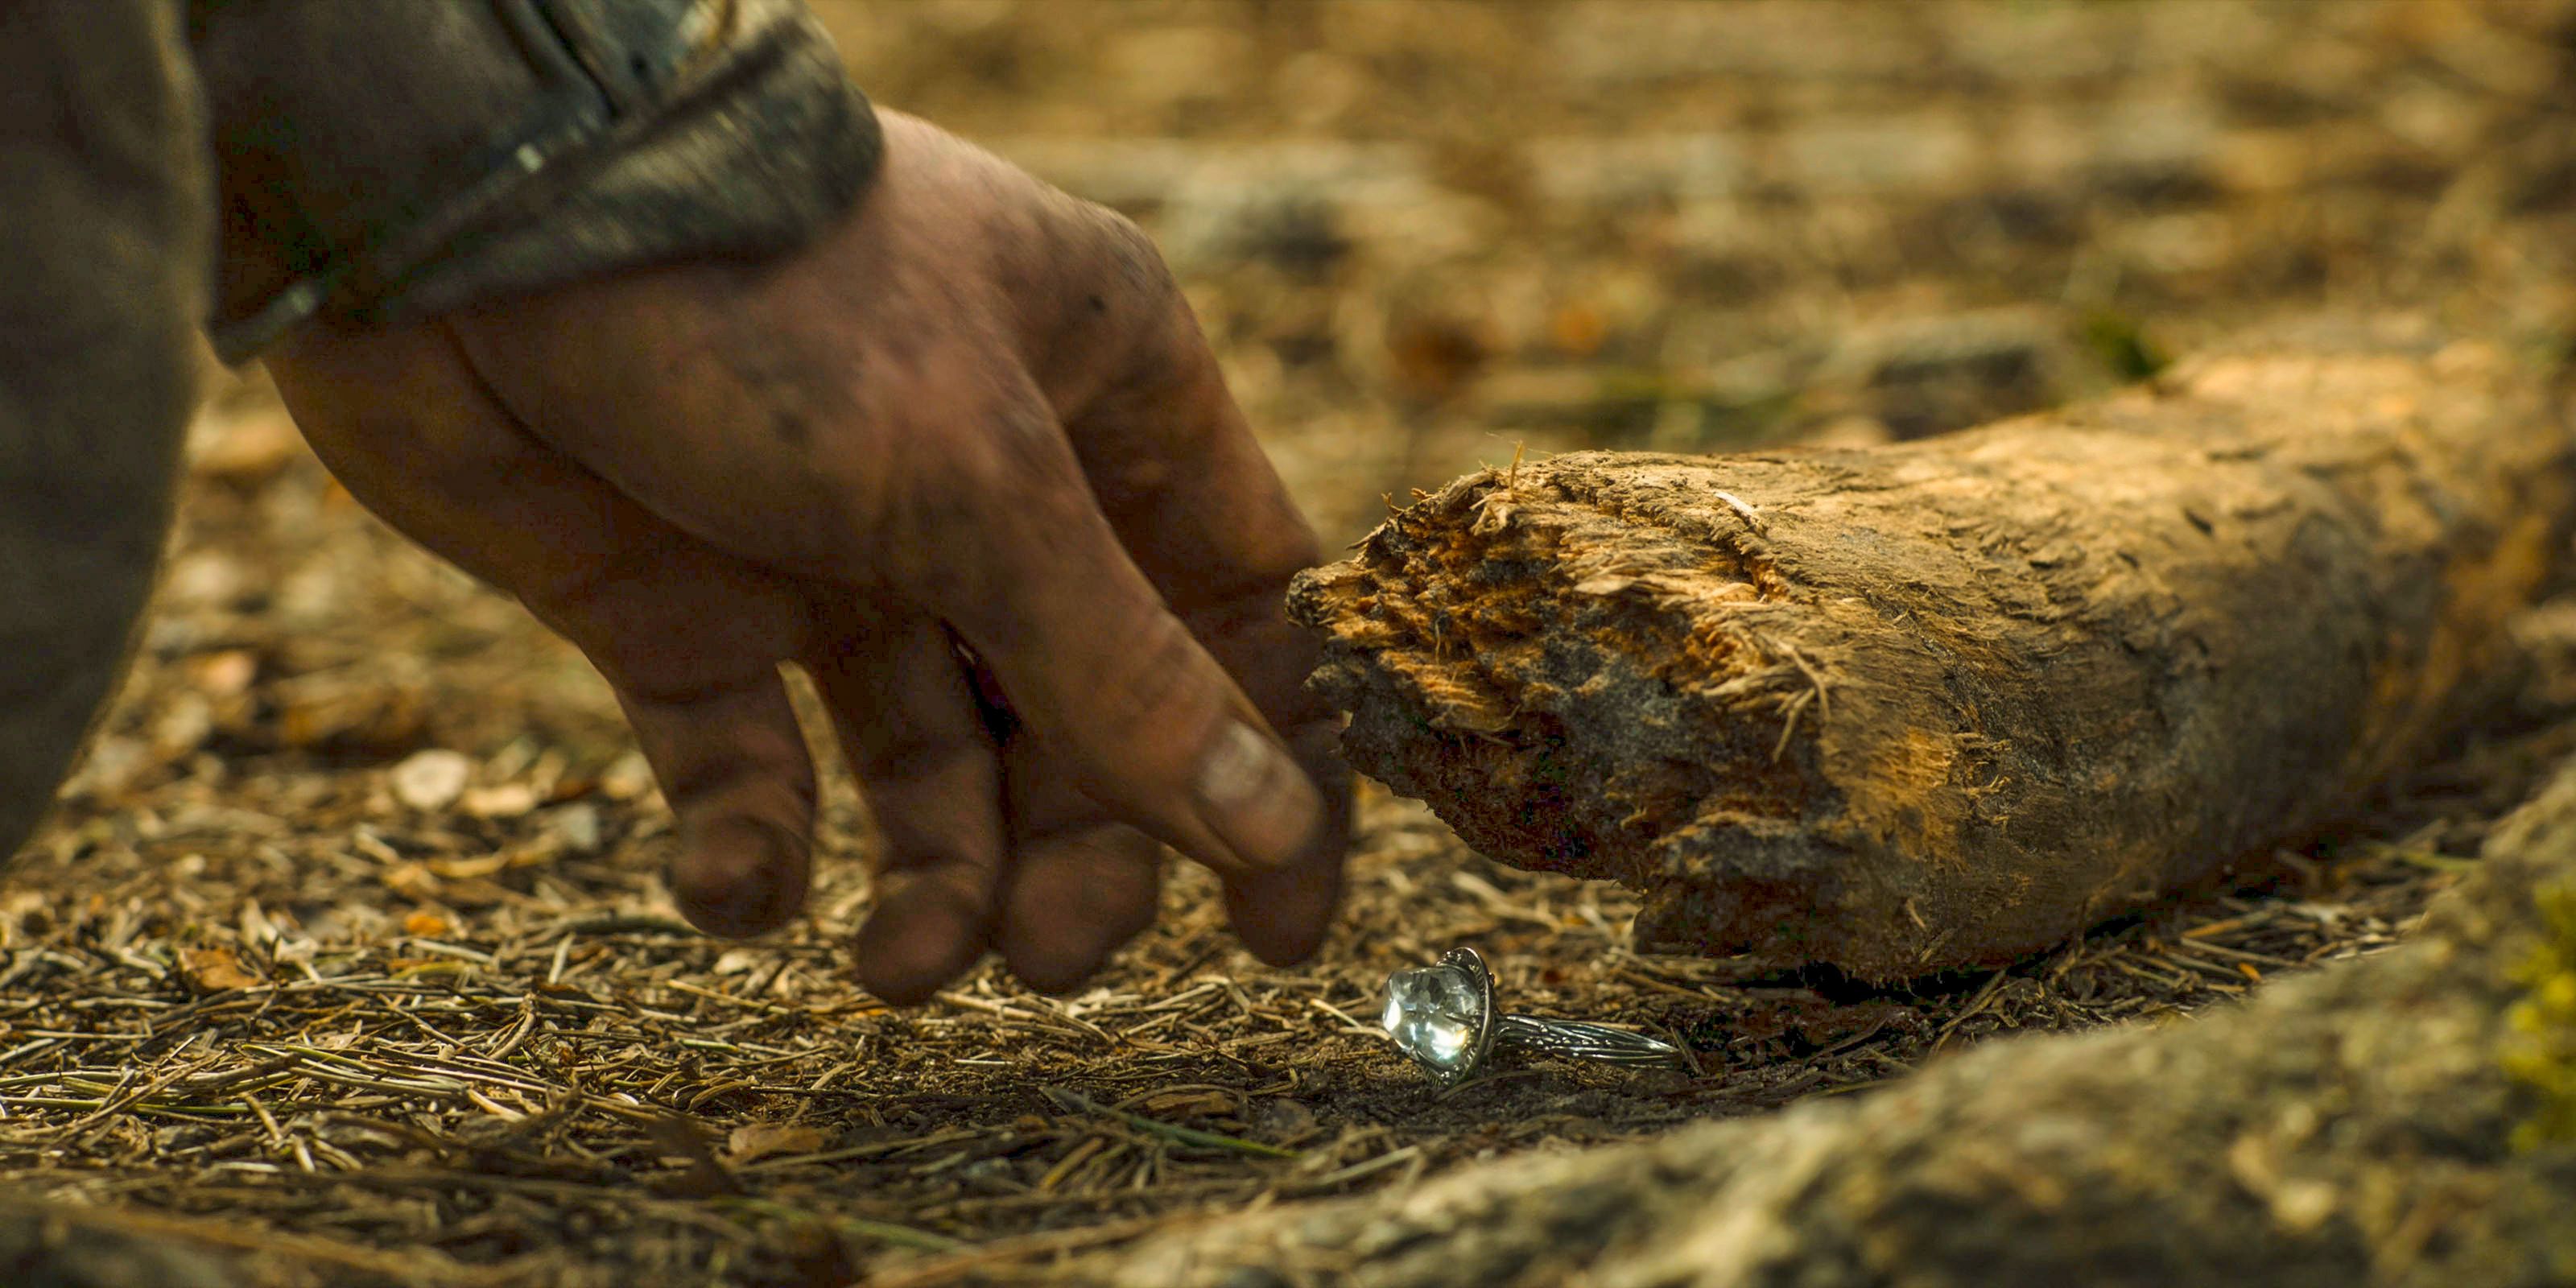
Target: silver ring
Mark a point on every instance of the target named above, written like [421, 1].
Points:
[1443, 1015]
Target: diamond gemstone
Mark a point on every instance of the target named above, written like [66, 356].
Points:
[1432, 1014]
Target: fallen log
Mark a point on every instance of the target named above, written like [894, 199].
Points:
[1917, 707]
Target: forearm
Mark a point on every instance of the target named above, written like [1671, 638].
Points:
[397, 159]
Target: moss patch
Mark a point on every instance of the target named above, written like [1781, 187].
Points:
[2540, 1042]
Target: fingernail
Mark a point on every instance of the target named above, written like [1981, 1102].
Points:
[1255, 798]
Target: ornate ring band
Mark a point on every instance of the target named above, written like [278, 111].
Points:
[1444, 1017]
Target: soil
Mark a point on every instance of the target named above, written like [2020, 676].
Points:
[276, 979]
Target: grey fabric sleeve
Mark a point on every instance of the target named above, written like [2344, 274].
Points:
[401, 157]
[105, 242]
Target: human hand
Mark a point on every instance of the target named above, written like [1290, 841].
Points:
[970, 445]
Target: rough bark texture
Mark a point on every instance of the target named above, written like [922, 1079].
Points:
[57, 1246]
[1918, 707]
[2401, 1120]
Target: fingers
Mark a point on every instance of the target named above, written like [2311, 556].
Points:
[718, 730]
[1106, 678]
[965, 863]
[688, 637]
[1076, 897]
[1192, 497]
[914, 735]
[966, 500]
[1195, 504]
[1283, 914]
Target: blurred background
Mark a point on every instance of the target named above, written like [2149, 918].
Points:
[1422, 232]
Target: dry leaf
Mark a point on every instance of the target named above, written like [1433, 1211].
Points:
[411, 880]
[244, 450]
[627, 778]
[212, 970]
[1189, 1102]
[685, 1145]
[431, 780]
[508, 800]
[182, 727]
[427, 925]
[374, 719]
[224, 674]
[469, 869]
[579, 826]
[753, 1141]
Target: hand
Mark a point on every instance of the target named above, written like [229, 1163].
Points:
[968, 461]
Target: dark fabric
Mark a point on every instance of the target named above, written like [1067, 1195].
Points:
[103, 251]
[404, 157]
[374, 157]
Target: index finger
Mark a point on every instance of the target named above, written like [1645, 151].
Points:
[1201, 511]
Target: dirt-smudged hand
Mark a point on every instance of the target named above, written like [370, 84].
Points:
[968, 460]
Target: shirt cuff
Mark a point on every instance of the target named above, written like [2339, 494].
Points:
[387, 161]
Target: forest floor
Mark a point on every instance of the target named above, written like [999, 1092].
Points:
[348, 947]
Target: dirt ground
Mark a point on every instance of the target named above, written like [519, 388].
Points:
[347, 948]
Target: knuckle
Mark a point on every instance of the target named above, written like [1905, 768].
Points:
[1124, 278]
[1125, 247]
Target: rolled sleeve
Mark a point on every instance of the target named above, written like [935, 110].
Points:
[402, 158]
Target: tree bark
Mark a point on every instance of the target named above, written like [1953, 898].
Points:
[1946, 703]
[52, 1245]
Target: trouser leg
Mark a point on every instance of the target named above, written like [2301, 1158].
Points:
[105, 234]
